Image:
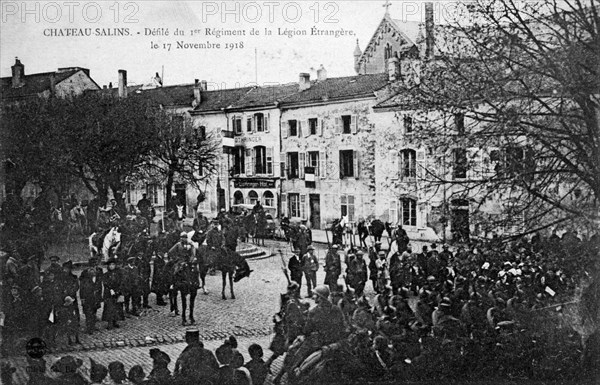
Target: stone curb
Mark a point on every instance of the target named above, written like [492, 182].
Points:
[155, 340]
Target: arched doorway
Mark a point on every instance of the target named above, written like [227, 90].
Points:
[238, 198]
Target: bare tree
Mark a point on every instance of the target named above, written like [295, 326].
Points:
[513, 110]
[184, 153]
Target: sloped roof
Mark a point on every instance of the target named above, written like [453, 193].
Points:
[218, 100]
[33, 84]
[179, 95]
[408, 28]
[402, 98]
[266, 96]
[339, 88]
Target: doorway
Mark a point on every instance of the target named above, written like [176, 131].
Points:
[181, 197]
[460, 220]
[315, 211]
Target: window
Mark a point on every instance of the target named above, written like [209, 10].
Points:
[252, 197]
[393, 212]
[346, 163]
[313, 161]
[237, 125]
[269, 199]
[348, 206]
[260, 122]
[238, 198]
[293, 165]
[260, 160]
[152, 192]
[388, 51]
[459, 123]
[282, 170]
[409, 212]
[239, 166]
[200, 133]
[293, 127]
[347, 124]
[408, 124]
[294, 205]
[249, 124]
[408, 163]
[312, 125]
[460, 163]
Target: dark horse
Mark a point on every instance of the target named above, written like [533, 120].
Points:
[231, 264]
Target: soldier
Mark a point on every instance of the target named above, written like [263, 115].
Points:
[70, 285]
[333, 267]
[310, 265]
[295, 268]
[131, 287]
[90, 292]
[145, 269]
[53, 298]
[356, 272]
[158, 282]
[195, 364]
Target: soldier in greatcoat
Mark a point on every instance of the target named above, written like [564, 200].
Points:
[90, 292]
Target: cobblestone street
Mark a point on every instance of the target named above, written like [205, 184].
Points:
[248, 317]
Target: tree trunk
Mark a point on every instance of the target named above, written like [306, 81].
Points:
[168, 190]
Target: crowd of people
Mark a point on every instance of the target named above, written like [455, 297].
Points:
[436, 314]
[117, 280]
[196, 365]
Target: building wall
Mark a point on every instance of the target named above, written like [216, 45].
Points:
[248, 180]
[75, 85]
[328, 142]
[435, 200]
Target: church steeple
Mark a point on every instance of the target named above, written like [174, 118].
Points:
[357, 55]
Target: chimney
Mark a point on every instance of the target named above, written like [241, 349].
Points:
[110, 85]
[322, 74]
[122, 83]
[393, 69]
[18, 73]
[197, 92]
[52, 84]
[304, 81]
[104, 87]
[204, 85]
[429, 27]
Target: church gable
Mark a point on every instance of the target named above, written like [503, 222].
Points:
[391, 39]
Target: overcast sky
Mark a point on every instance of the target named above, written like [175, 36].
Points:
[280, 58]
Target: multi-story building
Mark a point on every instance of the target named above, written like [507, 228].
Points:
[328, 148]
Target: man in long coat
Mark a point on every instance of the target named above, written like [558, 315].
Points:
[90, 292]
[333, 267]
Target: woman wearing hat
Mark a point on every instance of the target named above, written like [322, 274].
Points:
[112, 291]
